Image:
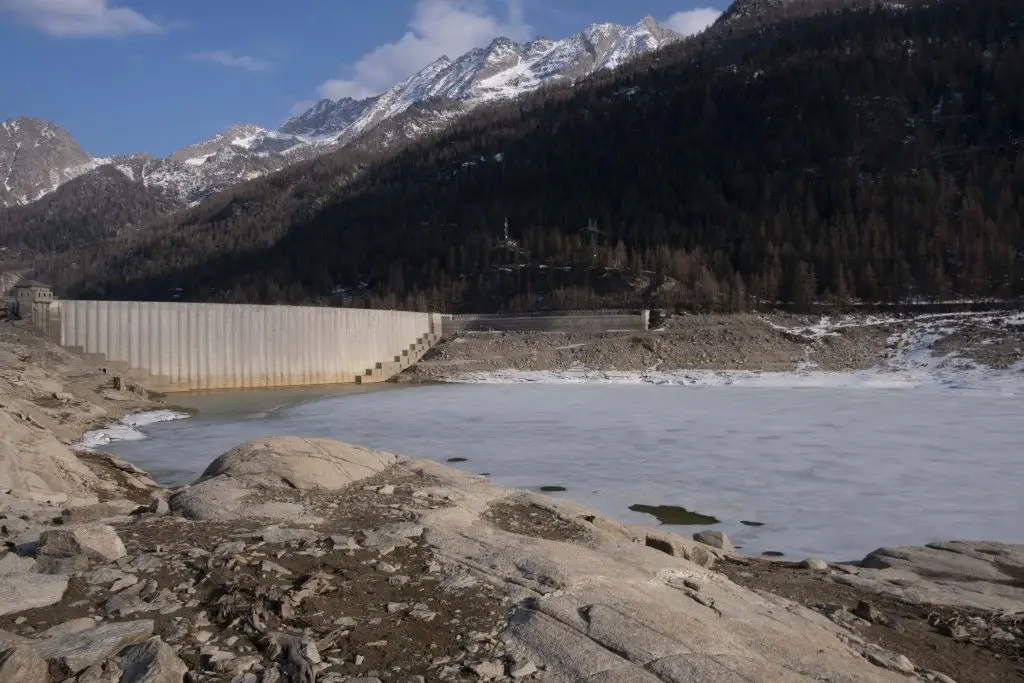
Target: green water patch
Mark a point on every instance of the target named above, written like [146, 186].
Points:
[552, 489]
[485, 474]
[675, 515]
[746, 522]
[457, 459]
[773, 553]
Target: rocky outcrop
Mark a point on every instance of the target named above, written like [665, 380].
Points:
[297, 463]
[981, 575]
[614, 609]
[33, 461]
[225, 491]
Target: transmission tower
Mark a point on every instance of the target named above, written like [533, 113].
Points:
[592, 230]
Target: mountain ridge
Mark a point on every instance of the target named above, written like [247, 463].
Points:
[502, 70]
[760, 166]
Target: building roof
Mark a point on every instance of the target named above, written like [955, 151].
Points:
[27, 284]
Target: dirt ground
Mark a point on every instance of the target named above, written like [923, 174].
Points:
[390, 611]
[911, 630]
[61, 391]
[773, 342]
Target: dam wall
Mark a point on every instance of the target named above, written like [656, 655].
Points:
[192, 346]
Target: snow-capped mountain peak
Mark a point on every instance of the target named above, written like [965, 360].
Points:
[426, 101]
[504, 69]
[243, 133]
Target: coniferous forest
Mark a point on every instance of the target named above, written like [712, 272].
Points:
[869, 155]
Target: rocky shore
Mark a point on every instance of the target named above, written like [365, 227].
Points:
[309, 560]
[770, 342]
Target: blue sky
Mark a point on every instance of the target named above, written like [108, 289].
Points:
[153, 76]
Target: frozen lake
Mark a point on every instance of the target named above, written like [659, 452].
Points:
[831, 472]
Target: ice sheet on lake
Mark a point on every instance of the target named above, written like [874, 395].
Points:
[128, 429]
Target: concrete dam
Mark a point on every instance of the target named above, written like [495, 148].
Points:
[188, 346]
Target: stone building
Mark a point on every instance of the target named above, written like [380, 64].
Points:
[28, 293]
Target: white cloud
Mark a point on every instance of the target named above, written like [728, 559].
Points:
[80, 18]
[438, 27]
[692, 21]
[230, 59]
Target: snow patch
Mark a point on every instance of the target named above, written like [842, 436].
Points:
[128, 429]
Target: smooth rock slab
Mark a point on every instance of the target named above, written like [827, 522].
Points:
[153, 661]
[94, 541]
[22, 664]
[20, 592]
[71, 653]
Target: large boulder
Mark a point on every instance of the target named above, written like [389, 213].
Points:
[715, 539]
[270, 465]
[153, 661]
[94, 541]
[298, 463]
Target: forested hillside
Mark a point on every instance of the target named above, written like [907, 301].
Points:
[93, 207]
[874, 154]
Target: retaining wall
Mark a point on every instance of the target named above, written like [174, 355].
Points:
[570, 321]
[186, 346]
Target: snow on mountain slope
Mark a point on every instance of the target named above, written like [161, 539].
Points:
[502, 70]
[36, 157]
[326, 118]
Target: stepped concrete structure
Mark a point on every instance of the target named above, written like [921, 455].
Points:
[174, 347]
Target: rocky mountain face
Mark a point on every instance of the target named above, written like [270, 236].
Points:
[37, 157]
[502, 70]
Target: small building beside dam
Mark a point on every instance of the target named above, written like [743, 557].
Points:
[191, 346]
